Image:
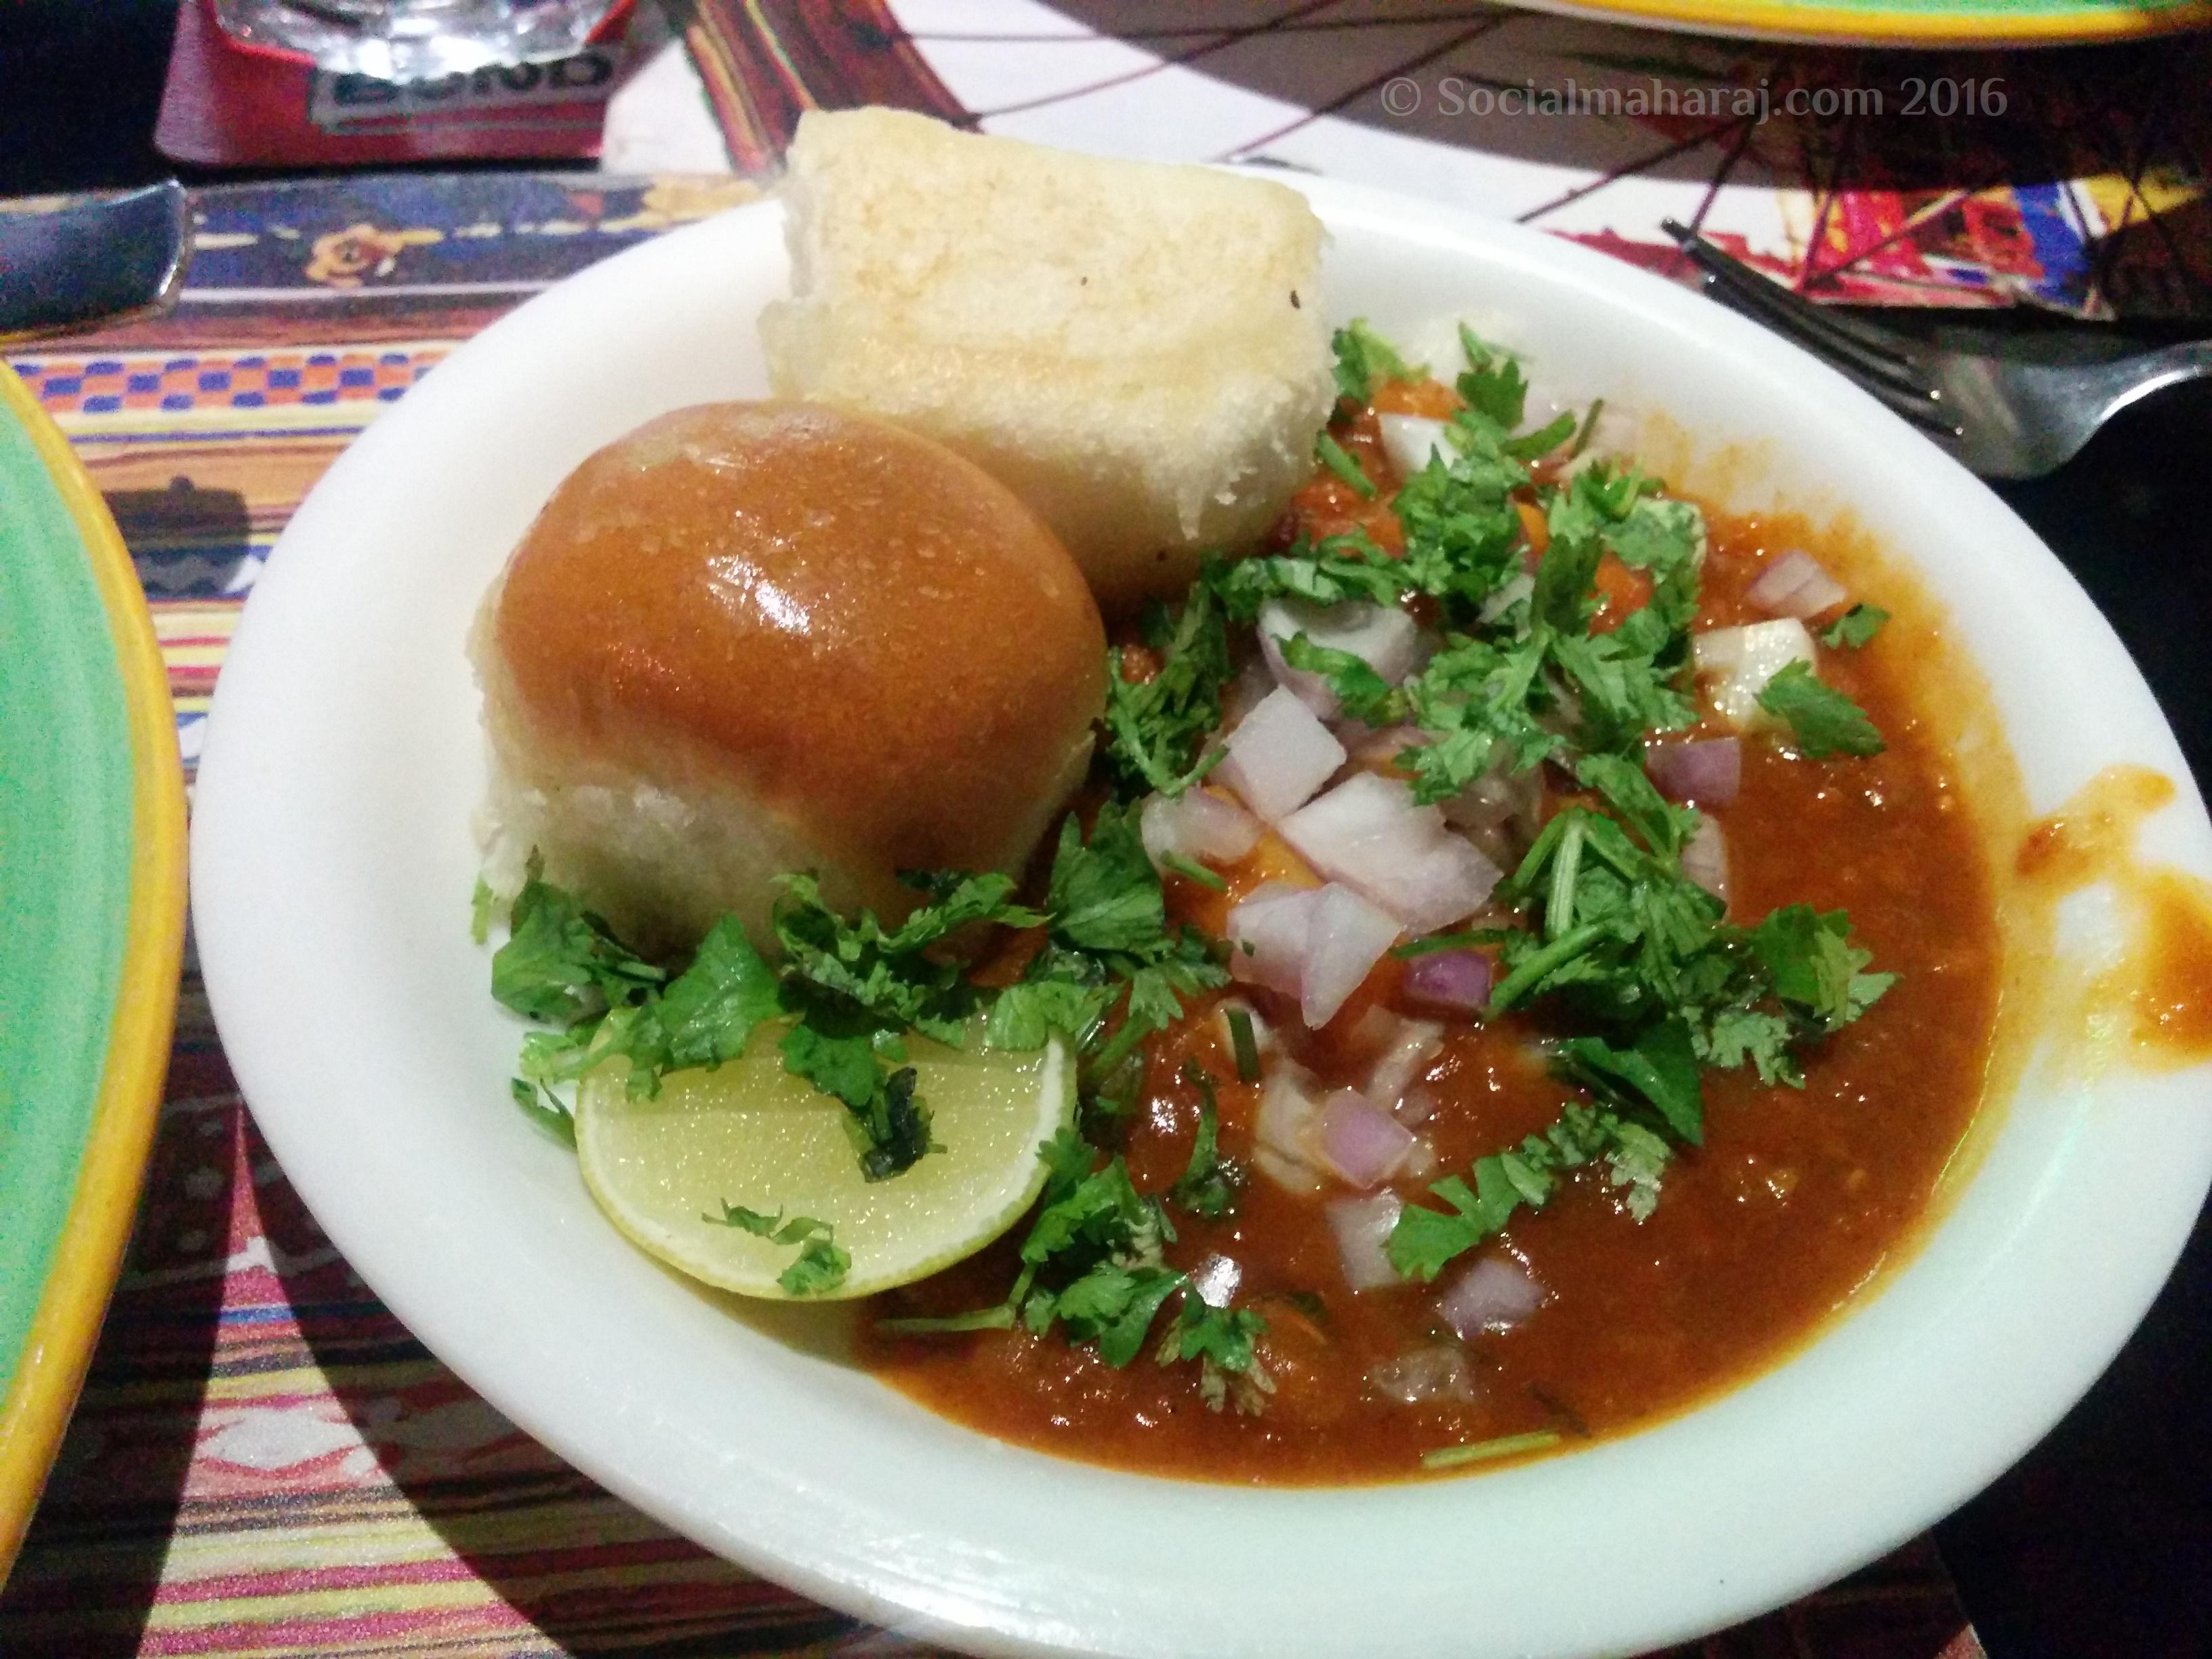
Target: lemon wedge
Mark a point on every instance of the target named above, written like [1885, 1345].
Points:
[748, 1134]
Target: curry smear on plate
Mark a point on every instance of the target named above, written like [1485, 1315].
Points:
[1797, 1200]
[2149, 1005]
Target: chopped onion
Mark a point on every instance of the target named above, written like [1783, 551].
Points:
[1268, 937]
[1196, 824]
[1216, 1280]
[1278, 756]
[1457, 980]
[1493, 1295]
[1286, 1113]
[1361, 1225]
[1383, 746]
[1412, 1045]
[1414, 1378]
[1744, 659]
[1382, 637]
[1410, 439]
[1421, 1161]
[1414, 1108]
[1369, 834]
[1705, 859]
[1358, 1141]
[1708, 771]
[1346, 938]
[1244, 694]
[1796, 585]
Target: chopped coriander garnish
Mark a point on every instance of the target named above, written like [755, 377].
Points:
[546, 1108]
[561, 963]
[1425, 1239]
[1587, 430]
[1155, 729]
[1209, 1184]
[1363, 693]
[1109, 945]
[484, 910]
[999, 1316]
[1364, 360]
[1435, 942]
[1246, 1045]
[1189, 870]
[1506, 1445]
[1824, 721]
[1855, 628]
[1335, 458]
[821, 1264]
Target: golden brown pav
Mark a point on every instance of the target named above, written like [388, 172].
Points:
[751, 638]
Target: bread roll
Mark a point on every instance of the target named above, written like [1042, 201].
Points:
[754, 638]
[1136, 349]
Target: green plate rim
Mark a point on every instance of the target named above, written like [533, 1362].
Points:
[92, 863]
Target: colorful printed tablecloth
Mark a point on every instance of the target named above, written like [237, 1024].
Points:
[2075, 181]
[264, 1461]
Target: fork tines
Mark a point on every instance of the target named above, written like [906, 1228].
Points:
[1883, 364]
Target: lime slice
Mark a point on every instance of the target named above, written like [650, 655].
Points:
[750, 1133]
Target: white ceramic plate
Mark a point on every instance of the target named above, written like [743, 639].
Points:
[332, 866]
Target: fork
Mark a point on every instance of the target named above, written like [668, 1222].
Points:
[1999, 416]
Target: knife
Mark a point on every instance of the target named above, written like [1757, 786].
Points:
[82, 260]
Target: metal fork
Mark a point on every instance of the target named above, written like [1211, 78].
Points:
[2000, 416]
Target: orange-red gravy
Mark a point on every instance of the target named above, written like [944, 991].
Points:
[1795, 1199]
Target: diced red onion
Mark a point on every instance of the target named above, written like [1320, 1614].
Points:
[1412, 1046]
[1382, 637]
[1369, 834]
[1456, 980]
[1410, 439]
[1196, 824]
[1362, 1226]
[1414, 1108]
[1383, 746]
[1346, 938]
[1705, 859]
[1278, 756]
[1280, 1132]
[1415, 1378]
[1745, 658]
[1216, 1280]
[1269, 934]
[1708, 771]
[1493, 1295]
[1421, 1161]
[1244, 694]
[1358, 1141]
[1796, 585]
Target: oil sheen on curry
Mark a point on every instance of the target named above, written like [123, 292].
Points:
[1506, 957]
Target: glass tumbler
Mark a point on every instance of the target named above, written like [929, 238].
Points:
[415, 39]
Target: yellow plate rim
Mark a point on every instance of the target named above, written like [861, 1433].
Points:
[1783, 20]
[89, 1253]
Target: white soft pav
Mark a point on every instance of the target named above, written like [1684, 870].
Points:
[1136, 349]
[754, 638]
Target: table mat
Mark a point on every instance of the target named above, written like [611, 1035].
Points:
[2072, 181]
[264, 1461]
